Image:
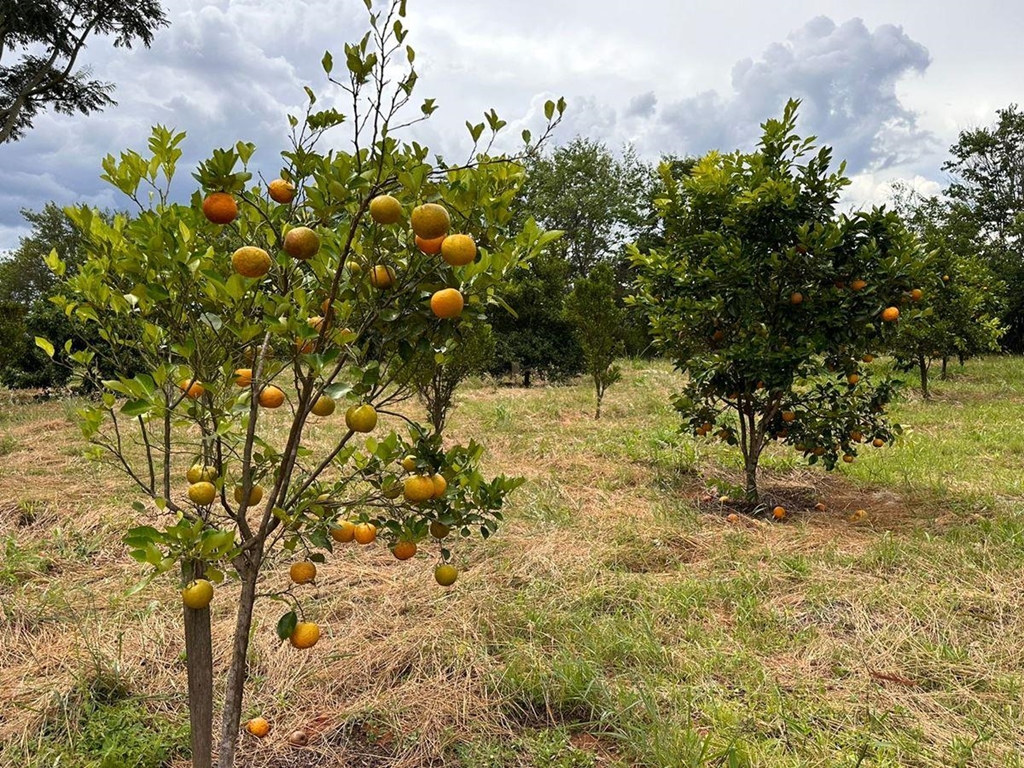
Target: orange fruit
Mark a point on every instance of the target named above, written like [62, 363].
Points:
[403, 550]
[890, 315]
[458, 250]
[859, 515]
[430, 247]
[305, 635]
[198, 594]
[255, 495]
[945, 278]
[202, 493]
[856, 436]
[732, 517]
[848, 458]
[301, 243]
[361, 418]
[418, 488]
[344, 531]
[440, 485]
[916, 294]
[199, 472]
[324, 406]
[447, 303]
[281, 191]
[858, 285]
[220, 208]
[271, 397]
[446, 574]
[796, 298]
[868, 358]
[250, 261]
[878, 442]
[853, 378]
[192, 389]
[820, 506]
[438, 530]
[385, 209]
[365, 533]
[382, 277]
[243, 377]
[302, 572]
[258, 727]
[788, 416]
[409, 463]
[430, 221]
[818, 451]
[779, 513]
[718, 335]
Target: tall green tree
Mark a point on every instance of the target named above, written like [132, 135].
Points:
[987, 165]
[769, 300]
[50, 36]
[599, 324]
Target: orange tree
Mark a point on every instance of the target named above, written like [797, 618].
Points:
[771, 302]
[258, 309]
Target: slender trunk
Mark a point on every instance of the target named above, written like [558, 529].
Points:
[199, 664]
[923, 365]
[945, 361]
[232, 715]
[597, 414]
[750, 472]
[526, 378]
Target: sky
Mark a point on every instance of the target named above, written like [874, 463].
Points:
[888, 84]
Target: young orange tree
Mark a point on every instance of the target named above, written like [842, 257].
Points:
[771, 302]
[259, 309]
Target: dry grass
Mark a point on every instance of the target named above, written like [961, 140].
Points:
[618, 619]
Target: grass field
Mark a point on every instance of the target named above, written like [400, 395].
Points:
[617, 620]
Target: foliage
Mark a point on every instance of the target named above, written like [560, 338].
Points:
[987, 165]
[535, 338]
[598, 322]
[51, 35]
[163, 292]
[757, 297]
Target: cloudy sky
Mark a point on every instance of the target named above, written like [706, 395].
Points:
[888, 83]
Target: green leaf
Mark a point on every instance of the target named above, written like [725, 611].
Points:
[286, 625]
[136, 407]
[44, 345]
[327, 62]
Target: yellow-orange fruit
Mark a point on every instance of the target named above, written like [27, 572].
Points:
[220, 208]
[447, 303]
[301, 243]
[430, 247]
[271, 397]
[385, 209]
[458, 250]
[281, 191]
[430, 221]
[250, 261]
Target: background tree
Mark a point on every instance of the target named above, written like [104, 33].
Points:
[306, 294]
[769, 300]
[598, 322]
[535, 338]
[51, 35]
[988, 191]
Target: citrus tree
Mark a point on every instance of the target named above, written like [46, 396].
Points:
[771, 302]
[258, 309]
[599, 324]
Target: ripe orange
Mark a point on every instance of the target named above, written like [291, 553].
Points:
[859, 515]
[385, 209]
[202, 493]
[258, 727]
[848, 458]
[430, 221]
[858, 285]
[447, 303]
[418, 488]
[890, 314]
[403, 550]
[853, 378]
[365, 533]
[788, 416]
[732, 517]
[301, 243]
[819, 451]
[198, 594]
[243, 377]
[440, 485]
[305, 635]
[438, 530]
[250, 261]
[718, 335]
[271, 397]
[302, 572]
[409, 463]
[916, 294]
[199, 472]
[446, 574]
[856, 436]
[868, 358]
[945, 278]
[361, 418]
[324, 406]
[430, 247]
[796, 298]
[382, 277]
[255, 495]
[281, 191]
[458, 250]
[779, 513]
[220, 208]
[192, 389]
[344, 531]
[878, 442]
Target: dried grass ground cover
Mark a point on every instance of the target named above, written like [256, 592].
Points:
[617, 620]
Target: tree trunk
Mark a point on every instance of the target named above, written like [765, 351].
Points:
[526, 378]
[923, 365]
[600, 396]
[945, 361]
[199, 664]
[750, 472]
[232, 716]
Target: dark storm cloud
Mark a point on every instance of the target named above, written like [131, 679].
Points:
[846, 77]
